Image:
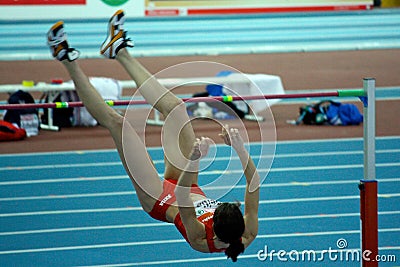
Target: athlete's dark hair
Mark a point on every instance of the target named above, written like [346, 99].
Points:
[229, 228]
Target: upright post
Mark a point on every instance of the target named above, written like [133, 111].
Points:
[50, 126]
[369, 185]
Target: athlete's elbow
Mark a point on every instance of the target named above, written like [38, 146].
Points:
[251, 235]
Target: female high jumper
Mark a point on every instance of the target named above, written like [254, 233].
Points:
[207, 225]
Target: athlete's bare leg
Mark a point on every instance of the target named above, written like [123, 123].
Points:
[141, 170]
[178, 134]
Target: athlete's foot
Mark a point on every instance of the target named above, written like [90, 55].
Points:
[116, 36]
[57, 41]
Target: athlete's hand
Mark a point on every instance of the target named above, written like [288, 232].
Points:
[200, 148]
[232, 137]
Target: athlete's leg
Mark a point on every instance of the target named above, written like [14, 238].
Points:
[178, 135]
[141, 168]
[93, 101]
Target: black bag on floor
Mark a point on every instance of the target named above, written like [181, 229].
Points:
[28, 118]
[314, 114]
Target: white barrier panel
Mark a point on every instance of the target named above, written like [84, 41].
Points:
[261, 84]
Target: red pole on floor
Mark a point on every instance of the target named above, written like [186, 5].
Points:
[369, 222]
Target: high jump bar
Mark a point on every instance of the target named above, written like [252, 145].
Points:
[227, 98]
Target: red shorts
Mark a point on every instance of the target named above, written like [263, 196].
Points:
[167, 198]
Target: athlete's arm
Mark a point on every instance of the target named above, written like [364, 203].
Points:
[194, 229]
[251, 198]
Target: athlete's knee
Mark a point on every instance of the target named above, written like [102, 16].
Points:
[170, 104]
[113, 122]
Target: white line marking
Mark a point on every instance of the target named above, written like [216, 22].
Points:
[66, 180]
[77, 152]
[57, 166]
[321, 216]
[142, 225]
[123, 209]
[222, 258]
[105, 194]
[206, 188]
[86, 228]
[260, 170]
[158, 242]
[54, 212]
[352, 139]
[118, 163]
[335, 140]
[323, 233]
[155, 242]
[327, 167]
[291, 200]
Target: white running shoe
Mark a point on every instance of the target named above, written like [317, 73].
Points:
[57, 41]
[116, 36]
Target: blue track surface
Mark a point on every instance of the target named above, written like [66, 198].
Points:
[78, 208]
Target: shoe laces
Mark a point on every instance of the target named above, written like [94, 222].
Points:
[127, 41]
